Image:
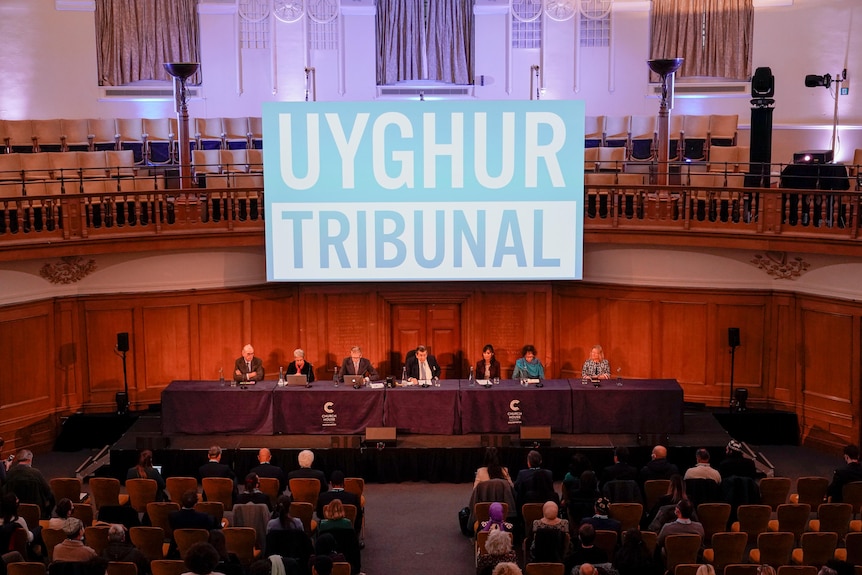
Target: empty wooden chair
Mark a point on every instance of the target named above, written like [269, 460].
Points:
[735, 569]
[97, 537]
[213, 508]
[852, 493]
[31, 513]
[726, 548]
[594, 131]
[150, 541]
[185, 538]
[650, 539]
[66, 487]
[84, 512]
[269, 485]
[753, 520]
[686, 569]
[681, 549]
[305, 489]
[773, 549]
[530, 512]
[606, 540]
[176, 486]
[815, 549]
[219, 489]
[104, 490]
[304, 511]
[141, 492]
[774, 491]
[26, 568]
[653, 489]
[52, 537]
[47, 135]
[797, 570]
[852, 550]
[833, 517]
[792, 517]
[340, 568]
[240, 541]
[209, 134]
[545, 569]
[168, 567]
[628, 514]
[810, 490]
[714, 518]
[159, 513]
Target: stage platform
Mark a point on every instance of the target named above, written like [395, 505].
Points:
[414, 457]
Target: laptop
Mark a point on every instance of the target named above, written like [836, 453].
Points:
[295, 380]
[353, 379]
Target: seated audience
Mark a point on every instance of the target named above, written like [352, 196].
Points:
[658, 467]
[663, 510]
[283, 520]
[145, 470]
[496, 519]
[321, 566]
[491, 469]
[633, 557]
[507, 569]
[534, 484]
[581, 502]
[572, 479]
[201, 558]
[337, 491]
[735, 463]
[64, 511]
[550, 521]
[620, 470]
[306, 459]
[702, 470]
[682, 525]
[851, 471]
[601, 519]
[252, 493]
[228, 563]
[120, 549]
[72, 549]
[9, 515]
[334, 517]
[29, 484]
[267, 469]
[498, 549]
[327, 546]
[187, 517]
[586, 551]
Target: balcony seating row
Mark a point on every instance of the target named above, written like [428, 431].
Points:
[152, 140]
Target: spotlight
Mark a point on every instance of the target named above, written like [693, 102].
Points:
[813, 81]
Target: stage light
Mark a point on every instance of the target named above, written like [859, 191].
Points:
[813, 80]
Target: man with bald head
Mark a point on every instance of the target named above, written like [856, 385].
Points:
[248, 368]
[658, 467]
[267, 469]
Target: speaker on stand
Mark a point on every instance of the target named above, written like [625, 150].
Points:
[733, 343]
[122, 397]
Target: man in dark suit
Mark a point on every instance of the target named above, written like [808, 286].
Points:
[215, 468]
[355, 364]
[306, 458]
[658, 467]
[267, 469]
[735, 463]
[852, 471]
[534, 484]
[422, 366]
[620, 470]
[248, 368]
[337, 491]
[188, 518]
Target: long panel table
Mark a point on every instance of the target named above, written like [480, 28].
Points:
[637, 406]
[210, 407]
[324, 408]
[455, 407]
[504, 407]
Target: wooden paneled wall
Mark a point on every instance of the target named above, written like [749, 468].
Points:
[799, 353]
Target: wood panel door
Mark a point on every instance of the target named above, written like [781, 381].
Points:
[437, 326]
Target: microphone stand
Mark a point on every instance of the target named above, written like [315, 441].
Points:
[732, 357]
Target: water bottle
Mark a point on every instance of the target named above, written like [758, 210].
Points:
[221, 376]
[403, 373]
[335, 376]
[471, 377]
[281, 376]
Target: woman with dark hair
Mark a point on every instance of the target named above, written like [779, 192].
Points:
[228, 563]
[283, 521]
[252, 493]
[528, 366]
[63, 510]
[145, 470]
[488, 367]
[664, 509]
[633, 557]
[581, 501]
[9, 516]
[201, 558]
[491, 468]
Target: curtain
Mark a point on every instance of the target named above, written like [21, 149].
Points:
[714, 36]
[450, 38]
[400, 36]
[135, 38]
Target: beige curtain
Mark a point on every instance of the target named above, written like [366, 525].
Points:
[134, 38]
[714, 36]
[400, 36]
[450, 37]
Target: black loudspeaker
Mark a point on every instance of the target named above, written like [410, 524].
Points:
[733, 336]
[123, 341]
[763, 83]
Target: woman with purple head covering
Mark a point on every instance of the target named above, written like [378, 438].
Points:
[496, 519]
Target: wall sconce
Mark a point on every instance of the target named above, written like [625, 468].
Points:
[535, 83]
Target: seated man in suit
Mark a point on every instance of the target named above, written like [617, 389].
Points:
[188, 518]
[422, 366]
[267, 469]
[306, 458]
[215, 468]
[248, 367]
[355, 364]
[534, 484]
[337, 491]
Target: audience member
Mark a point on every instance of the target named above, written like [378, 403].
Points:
[550, 521]
[187, 517]
[321, 565]
[765, 569]
[327, 546]
[334, 517]
[201, 558]
[534, 484]
[528, 366]
[145, 470]
[491, 468]
[265, 468]
[72, 549]
[658, 467]
[9, 515]
[586, 551]
[498, 549]
[664, 509]
[702, 470]
[633, 557]
[337, 491]
[496, 519]
[620, 470]
[119, 549]
[29, 484]
[306, 458]
[851, 471]
[248, 368]
[582, 501]
[283, 521]
[215, 468]
[735, 463]
[63, 511]
[300, 366]
[682, 525]
[507, 568]
[601, 520]
[228, 563]
[705, 569]
[252, 493]
[579, 464]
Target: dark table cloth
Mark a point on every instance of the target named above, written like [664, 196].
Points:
[639, 406]
[325, 408]
[503, 408]
[429, 410]
[205, 407]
